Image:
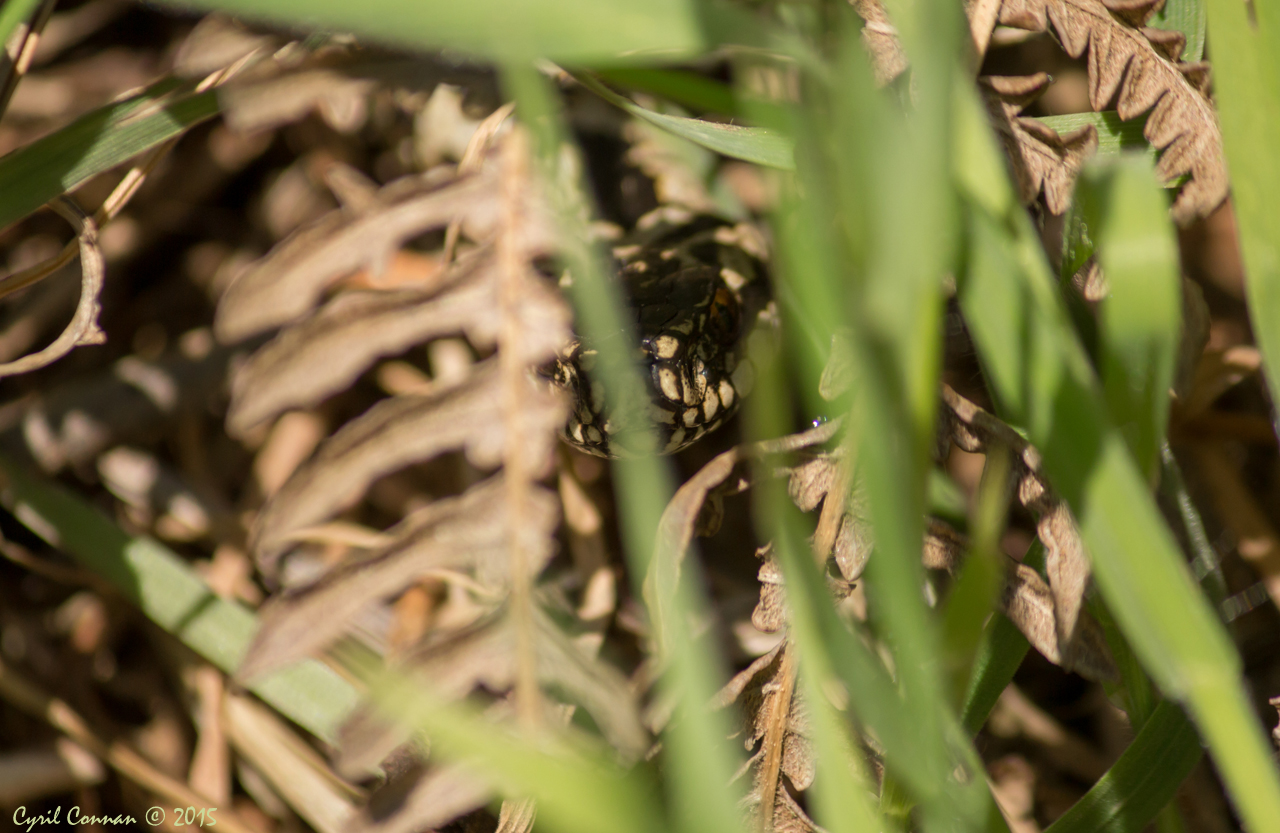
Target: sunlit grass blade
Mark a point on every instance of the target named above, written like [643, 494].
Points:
[843, 792]
[1114, 135]
[685, 88]
[977, 587]
[577, 787]
[170, 594]
[1141, 316]
[1049, 388]
[751, 144]
[36, 173]
[13, 14]
[1246, 70]
[1188, 17]
[575, 31]
[698, 755]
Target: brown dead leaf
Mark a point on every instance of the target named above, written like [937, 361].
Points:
[726, 473]
[327, 351]
[1042, 160]
[424, 799]
[464, 533]
[396, 433]
[1028, 602]
[1136, 67]
[1077, 643]
[484, 655]
[334, 81]
[880, 38]
[217, 41]
[287, 283]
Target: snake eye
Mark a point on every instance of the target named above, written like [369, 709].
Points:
[723, 317]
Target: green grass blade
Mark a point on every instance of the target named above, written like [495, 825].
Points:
[36, 173]
[571, 31]
[1051, 391]
[13, 14]
[1188, 17]
[685, 88]
[1141, 317]
[977, 587]
[1114, 136]
[577, 787]
[170, 594]
[1246, 71]
[1001, 651]
[1141, 782]
[696, 751]
[751, 144]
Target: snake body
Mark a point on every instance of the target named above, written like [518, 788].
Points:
[698, 293]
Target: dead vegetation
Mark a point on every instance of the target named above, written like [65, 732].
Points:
[323, 316]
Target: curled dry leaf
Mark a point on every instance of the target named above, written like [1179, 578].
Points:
[1137, 68]
[1029, 604]
[1078, 648]
[725, 474]
[83, 328]
[1042, 160]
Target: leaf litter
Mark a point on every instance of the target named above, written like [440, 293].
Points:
[520, 638]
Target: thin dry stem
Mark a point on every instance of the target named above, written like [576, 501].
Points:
[471, 160]
[83, 328]
[27, 696]
[518, 467]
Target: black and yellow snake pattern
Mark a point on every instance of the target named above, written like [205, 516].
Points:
[698, 292]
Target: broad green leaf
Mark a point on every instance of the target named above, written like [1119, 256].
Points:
[99, 141]
[1141, 316]
[752, 144]
[170, 594]
[572, 31]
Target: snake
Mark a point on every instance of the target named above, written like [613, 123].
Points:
[699, 297]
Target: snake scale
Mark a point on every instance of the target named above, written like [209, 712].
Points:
[699, 294]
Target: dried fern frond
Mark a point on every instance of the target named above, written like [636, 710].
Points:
[491, 542]
[1042, 160]
[775, 731]
[1138, 67]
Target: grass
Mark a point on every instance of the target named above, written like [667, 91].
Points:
[878, 202]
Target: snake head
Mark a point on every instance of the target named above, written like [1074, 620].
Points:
[694, 301]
